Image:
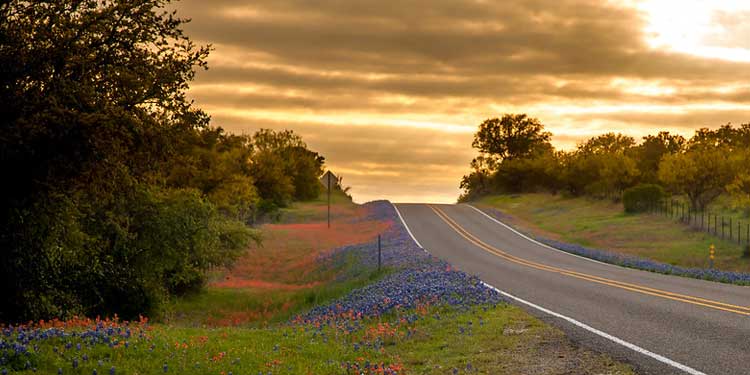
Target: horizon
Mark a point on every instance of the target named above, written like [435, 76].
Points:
[392, 100]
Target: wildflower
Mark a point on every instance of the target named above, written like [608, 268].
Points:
[165, 367]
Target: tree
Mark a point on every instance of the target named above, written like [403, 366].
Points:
[284, 168]
[478, 183]
[602, 166]
[93, 111]
[514, 136]
[739, 187]
[652, 150]
[700, 173]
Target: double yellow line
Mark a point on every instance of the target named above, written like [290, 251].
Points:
[742, 310]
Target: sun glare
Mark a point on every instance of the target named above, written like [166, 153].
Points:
[693, 27]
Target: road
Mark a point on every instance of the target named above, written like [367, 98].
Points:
[659, 323]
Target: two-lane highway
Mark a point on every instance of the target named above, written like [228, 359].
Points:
[662, 324]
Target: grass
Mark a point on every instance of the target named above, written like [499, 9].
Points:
[283, 277]
[221, 307]
[490, 340]
[602, 224]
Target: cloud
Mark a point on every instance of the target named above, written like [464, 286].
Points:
[395, 84]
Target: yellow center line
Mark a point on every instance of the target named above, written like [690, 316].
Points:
[596, 279]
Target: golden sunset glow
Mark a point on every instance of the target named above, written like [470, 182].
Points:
[391, 93]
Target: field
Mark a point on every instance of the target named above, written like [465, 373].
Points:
[602, 224]
[311, 301]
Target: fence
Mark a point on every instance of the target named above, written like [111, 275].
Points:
[730, 229]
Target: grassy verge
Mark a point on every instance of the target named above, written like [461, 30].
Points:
[603, 224]
[284, 276]
[491, 340]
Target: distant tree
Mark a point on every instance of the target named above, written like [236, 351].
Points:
[534, 173]
[284, 168]
[602, 166]
[652, 150]
[511, 137]
[739, 187]
[609, 143]
[700, 173]
[478, 182]
[726, 136]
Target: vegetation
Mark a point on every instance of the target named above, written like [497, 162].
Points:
[121, 194]
[515, 155]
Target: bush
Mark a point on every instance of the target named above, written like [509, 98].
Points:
[125, 259]
[642, 197]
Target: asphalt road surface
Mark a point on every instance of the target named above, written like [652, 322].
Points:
[661, 324]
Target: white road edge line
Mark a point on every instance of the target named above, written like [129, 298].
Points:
[407, 227]
[539, 243]
[593, 330]
[605, 335]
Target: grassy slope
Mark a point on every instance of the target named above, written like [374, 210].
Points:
[280, 278]
[603, 224]
[201, 335]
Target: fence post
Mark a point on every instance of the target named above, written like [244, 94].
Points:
[703, 217]
[722, 227]
[671, 208]
[731, 236]
[716, 225]
[380, 257]
[739, 233]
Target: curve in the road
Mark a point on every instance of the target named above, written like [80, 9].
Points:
[695, 326]
[596, 279]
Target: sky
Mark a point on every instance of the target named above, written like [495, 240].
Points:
[391, 91]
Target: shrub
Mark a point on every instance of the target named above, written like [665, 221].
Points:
[642, 197]
[123, 259]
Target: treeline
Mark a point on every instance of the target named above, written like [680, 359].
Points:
[117, 191]
[515, 155]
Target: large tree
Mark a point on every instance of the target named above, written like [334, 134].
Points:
[93, 110]
[653, 149]
[512, 136]
[700, 173]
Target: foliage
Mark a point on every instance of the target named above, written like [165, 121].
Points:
[700, 173]
[515, 156]
[511, 137]
[284, 169]
[122, 193]
[642, 197]
[602, 166]
[653, 148]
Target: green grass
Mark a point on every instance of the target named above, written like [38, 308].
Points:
[221, 306]
[492, 340]
[603, 224]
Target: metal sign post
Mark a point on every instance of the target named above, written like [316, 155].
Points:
[380, 258]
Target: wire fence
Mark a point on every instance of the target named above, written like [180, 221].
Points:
[724, 227]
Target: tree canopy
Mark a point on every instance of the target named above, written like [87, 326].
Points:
[121, 193]
[515, 155]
